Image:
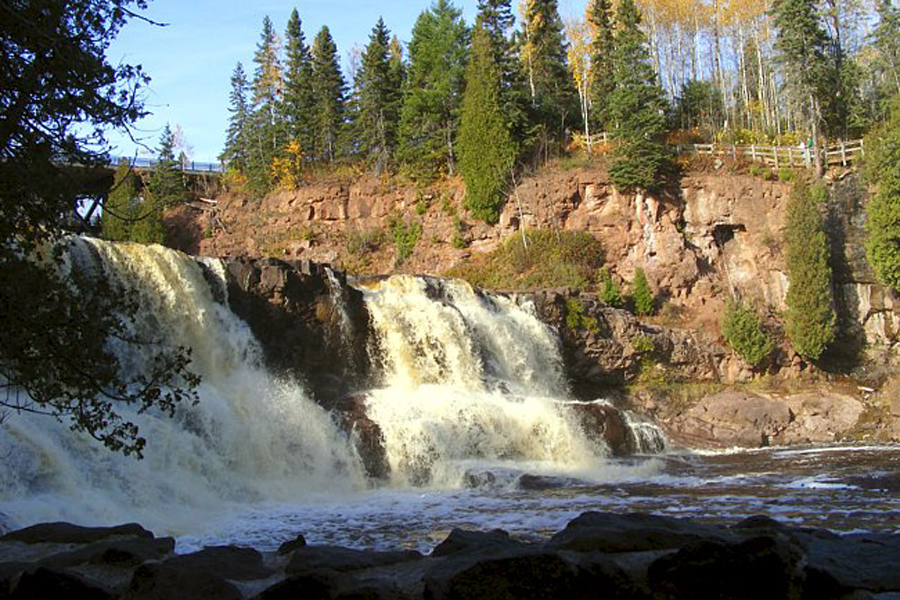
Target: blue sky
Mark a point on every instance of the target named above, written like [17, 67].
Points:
[190, 61]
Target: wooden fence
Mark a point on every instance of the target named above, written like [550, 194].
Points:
[839, 154]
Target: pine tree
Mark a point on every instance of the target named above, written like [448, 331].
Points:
[544, 56]
[640, 159]
[379, 98]
[266, 123]
[236, 138]
[298, 87]
[644, 302]
[122, 207]
[487, 151]
[883, 210]
[603, 81]
[329, 92]
[165, 182]
[802, 52]
[429, 117]
[810, 318]
[609, 291]
[886, 40]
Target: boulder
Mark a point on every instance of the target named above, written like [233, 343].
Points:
[117, 553]
[291, 545]
[863, 561]
[461, 540]
[158, 581]
[731, 418]
[604, 423]
[67, 533]
[634, 532]
[52, 583]
[365, 433]
[311, 560]
[307, 587]
[228, 562]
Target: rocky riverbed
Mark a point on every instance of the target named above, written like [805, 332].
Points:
[597, 554]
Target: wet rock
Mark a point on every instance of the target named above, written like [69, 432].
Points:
[365, 433]
[461, 540]
[865, 561]
[229, 562]
[9, 575]
[118, 553]
[635, 532]
[307, 587]
[545, 482]
[67, 533]
[290, 546]
[158, 581]
[761, 567]
[310, 560]
[731, 418]
[52, 583]
[605, 423]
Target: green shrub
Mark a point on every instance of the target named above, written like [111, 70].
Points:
[644, 302]
[362, 242]
[742, 328]
[643, 344]
[610, 294]
[421, 207]
[755, 169]
[546, 259]
[405, 236]
[810, 319]
[459, 239]
[576, 319]
[786, 174]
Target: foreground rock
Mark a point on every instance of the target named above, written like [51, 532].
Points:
[629, 556]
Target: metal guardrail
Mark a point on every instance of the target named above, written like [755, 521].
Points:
[188, 166]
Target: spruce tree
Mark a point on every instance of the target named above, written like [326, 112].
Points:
[487, 151]
[810, 318]
[236, 138]
[429, 117]
[883, 210]
[298, 88]
[379, 98]
[544, 56]
[609, 291]
[644, 302]
[640, 159]
[166, 183]
[122, 206]
[886, 40]
[266, 123]
[329, 92]
[599, 17]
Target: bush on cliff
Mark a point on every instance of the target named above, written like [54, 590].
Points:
[546, 259]
[743, 330]
[644, 302]
[610, 293]
[810, 318]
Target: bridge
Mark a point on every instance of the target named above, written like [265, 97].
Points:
[188, 167]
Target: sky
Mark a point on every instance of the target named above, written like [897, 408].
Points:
[190, 61]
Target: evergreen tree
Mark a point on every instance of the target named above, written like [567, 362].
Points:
[429, 117]
[165, 182]
[810, 318]
[599, 17]
[544, 56]
[802, 46]
[640, 159]
[487, 151]
[883, 210]
[743, 330]
[886, 40]
[610, 294]
[379, 97]
[267, 123]
[644, 302]
[122, 207]
[236, 138]
[329, 90]
[298, 85]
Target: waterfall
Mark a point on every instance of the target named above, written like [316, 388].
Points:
[252, 438]
[469, 379]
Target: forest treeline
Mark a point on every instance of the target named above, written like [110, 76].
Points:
[506, 92]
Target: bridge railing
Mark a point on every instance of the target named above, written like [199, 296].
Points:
[188, 166]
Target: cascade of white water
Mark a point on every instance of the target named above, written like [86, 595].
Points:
[251, 438]
[469, 379]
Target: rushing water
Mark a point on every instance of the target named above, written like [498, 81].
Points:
[470, 397]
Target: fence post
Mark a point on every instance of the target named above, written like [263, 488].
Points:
[775, 152]
[862, 148]
[753, 151]
[790, 156]
[843, 154]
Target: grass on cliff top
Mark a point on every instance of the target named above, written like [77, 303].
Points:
[551, 259]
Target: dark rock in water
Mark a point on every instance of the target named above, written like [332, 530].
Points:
[889, 482]
[761, 567]
[158, 581]
[461, 540]
[605, 423]
[865, 561]
[229, 562]
[290, 546]
[67, 533]
[307, 587]
[366, 433]
[120, 553]
[611, 532]
[528, 481]
[44, 583]
[478, 479]
[524, 576]
[310, 560]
